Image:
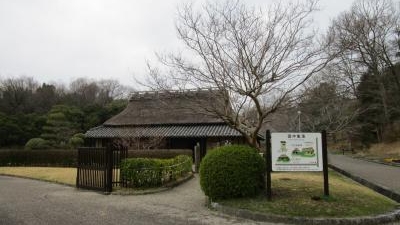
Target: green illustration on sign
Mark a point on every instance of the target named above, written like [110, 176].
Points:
[305, 152]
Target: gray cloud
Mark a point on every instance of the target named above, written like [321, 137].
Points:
[55, 40]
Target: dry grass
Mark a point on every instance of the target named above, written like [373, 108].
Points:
[59, 175]
[301, 194]
[385, 152]
[391, 149]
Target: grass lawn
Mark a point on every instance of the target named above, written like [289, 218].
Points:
[294, 194]
[54, 174]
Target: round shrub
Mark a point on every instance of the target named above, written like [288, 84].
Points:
[232, 171]
[79, 135]
[75, 142]
[37, 143]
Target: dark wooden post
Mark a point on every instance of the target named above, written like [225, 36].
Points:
[109, 168]
[268, 160]
[78, 175]
[197, 158]
[325, 163]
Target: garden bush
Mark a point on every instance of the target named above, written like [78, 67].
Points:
[76, 141]
[232, 171]
[46, 157]
[146, 172]
[79, 135]
[37, 143]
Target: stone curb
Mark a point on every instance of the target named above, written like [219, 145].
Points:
[380, 189]
[376, 161]
[258, 216]
[156, 190]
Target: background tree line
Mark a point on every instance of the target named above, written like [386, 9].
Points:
[357, 95]
[268, 64]
[54, 112]
[276, 72]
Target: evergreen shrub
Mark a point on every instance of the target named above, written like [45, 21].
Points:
[232, 171]
[76, 141]
[148, 172]
[37, 143]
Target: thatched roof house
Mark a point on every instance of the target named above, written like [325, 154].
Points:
[168, 119]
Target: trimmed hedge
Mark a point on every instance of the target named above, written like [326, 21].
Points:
[232, 171]
[45, 157]
[145, 172]
[68, 157]
[159, 153]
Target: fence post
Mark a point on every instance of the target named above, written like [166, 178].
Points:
[197, 158]
[124, 155]
[78, 176]
[109, 168]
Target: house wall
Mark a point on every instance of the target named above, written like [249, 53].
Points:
[171, 143]
[221, 141]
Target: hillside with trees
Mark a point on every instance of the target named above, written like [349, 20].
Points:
[52, 114]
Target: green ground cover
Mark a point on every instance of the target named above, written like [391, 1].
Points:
[301, 194]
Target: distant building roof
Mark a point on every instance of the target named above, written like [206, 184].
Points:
[171, 131]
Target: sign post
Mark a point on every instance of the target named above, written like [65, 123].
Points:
[296, 152]
[325, 163]
[269, 163]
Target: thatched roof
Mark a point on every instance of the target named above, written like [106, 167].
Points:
[169, 107]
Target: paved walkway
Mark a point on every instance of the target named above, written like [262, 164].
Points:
[384, 176]
[24, 201]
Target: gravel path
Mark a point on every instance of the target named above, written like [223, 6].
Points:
[24, 201]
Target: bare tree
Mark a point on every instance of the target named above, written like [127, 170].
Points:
[85, 90]
[257, 58]
[366, 38]
[17, 94]
[100, 92]
[110, 89]
[324, 106]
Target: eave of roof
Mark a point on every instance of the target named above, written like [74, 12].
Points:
[170, 131]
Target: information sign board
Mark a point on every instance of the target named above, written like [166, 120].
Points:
[296, 151]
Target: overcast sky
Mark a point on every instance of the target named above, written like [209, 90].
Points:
[61, 40]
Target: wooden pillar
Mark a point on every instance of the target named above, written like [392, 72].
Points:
[197, 158]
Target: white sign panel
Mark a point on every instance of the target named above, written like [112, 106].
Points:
[296, 151]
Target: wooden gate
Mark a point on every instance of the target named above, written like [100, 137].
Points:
[99, 168]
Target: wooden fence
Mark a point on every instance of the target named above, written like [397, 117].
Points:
[99, 168]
